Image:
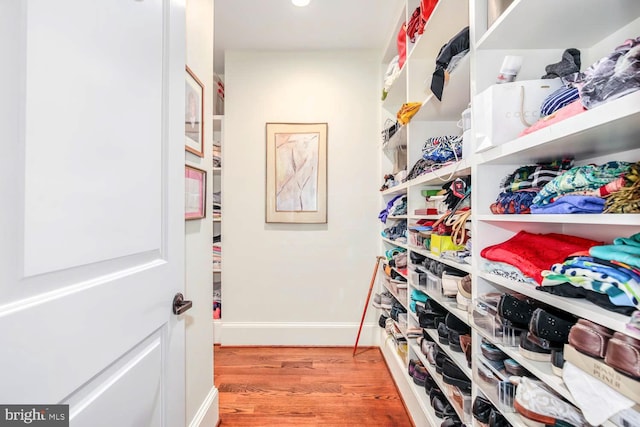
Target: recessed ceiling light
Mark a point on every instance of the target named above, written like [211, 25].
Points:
[300, 3]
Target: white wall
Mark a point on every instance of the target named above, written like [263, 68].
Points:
[300, 284]
[201, 395]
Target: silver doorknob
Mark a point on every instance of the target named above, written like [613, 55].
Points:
[180, 305]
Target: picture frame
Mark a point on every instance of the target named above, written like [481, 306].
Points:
[296, 173]
[193, 114]
[195, 193]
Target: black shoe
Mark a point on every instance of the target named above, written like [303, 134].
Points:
[441, 356]
[481, 409]
[551, 329]
[557, 362]
[496, 419]
[430, 384]
[442, 407]
[431, 315]
[443, 334]
[514, 368]
[451, 422]
[455, 328]
[516, 311]
[491, 352]
[382, 320]
[453, 375]
[532, 351]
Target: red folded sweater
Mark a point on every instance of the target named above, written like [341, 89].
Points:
[532, 253]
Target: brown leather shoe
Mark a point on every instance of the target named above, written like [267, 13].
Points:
[590, 338]
[465, 344]
[623, 354]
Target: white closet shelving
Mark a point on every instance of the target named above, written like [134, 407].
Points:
[539, 31]
[218, 137]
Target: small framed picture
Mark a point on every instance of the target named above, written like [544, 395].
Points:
[193, 114]
[195, 193]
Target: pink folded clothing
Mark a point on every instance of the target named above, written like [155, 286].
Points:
[532, 253]
[570, 110]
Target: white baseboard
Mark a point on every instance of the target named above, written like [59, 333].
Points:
[294, 333]
[209, 412]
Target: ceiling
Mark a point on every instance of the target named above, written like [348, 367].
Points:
[323, 25]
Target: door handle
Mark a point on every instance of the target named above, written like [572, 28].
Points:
[180, 305]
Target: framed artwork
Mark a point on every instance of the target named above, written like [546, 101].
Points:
[195, 193]
[193, 114]
[296, 181]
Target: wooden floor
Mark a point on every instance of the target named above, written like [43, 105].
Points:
[306, 386]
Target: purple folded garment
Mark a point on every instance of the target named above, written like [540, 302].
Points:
[571, 205]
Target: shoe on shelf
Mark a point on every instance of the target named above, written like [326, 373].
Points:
[552, 330]
[590, 338]
[453, 375]
[440, 358]
[465, 345]
[430, 384]
[462, 302]
[491, 352]
[443, 333]
[496, 419]
[451, 422]
[455, 328]
[382, 321]
[420, 375]
[516, 311]
[557, 362]
[442, 407]
[531, 350]
[514, 368]
[464, 287]
[426, 347]
[623, 355]
[412, 366]
[481, 409]
[535, 401]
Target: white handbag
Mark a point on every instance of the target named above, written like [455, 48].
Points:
[502, 111]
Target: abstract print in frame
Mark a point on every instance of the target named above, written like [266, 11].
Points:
[296, 173]
[193, 114]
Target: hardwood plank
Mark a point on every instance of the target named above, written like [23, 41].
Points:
[306, 386]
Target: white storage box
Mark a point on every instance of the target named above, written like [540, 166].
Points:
[498, 112]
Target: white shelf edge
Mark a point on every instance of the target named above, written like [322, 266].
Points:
[577, 307]
[398, 371]
[218, 117]
[604, 219]
[458, 80]
[217, 270]
[393, 242]
[397, 217]
[459, 168]
[503, 16]
[217, 168]
[436, 377]
[579, 126]
[542, 370]
[458, 358]
[400, 188]
[424, 216]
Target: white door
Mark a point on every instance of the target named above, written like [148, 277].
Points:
[92, 207]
